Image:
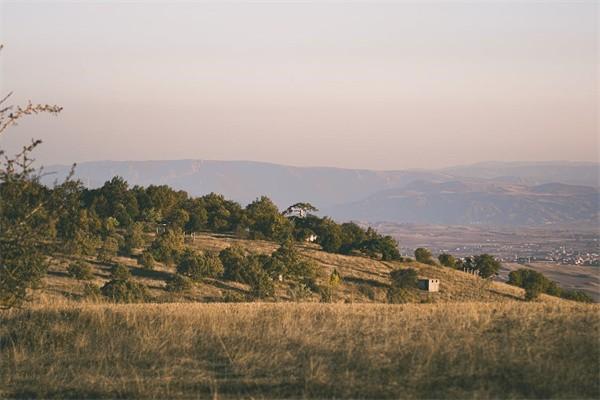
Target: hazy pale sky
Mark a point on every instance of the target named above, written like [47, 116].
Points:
[374, 85]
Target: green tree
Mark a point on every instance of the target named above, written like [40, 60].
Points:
[133, 238]
[447, 260]
[329, 235]
[487, 265]
[234, 263]
[198, 266]
[423, 255]
[167, 246]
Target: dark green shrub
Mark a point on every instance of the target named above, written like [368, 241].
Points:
[80, 270]
[234, 262]
[487, 265]
[146, 260]
[261, 285]
[179, 284]
[423, 255]
[124, 291]
[167, 247]
[120, 272]
[404, 278]
[234, 297]
[447, 260]
[577, 295]
[198, 266]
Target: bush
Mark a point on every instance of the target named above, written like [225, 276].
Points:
[487, 265]
[262, 286]
[404, 278]
[91, 291]
[80, 270]
[423, 255]
[120, 272]
[198, 266]
[447, 260]
[299, 291]
[124, 291]
[167, 247]
[233, 297]
[179, 284]
[146, 260]
[234, 262]
[577, 295]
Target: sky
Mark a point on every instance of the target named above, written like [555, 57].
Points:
[389, 85]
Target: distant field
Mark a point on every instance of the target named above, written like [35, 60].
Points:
[578, 277]
[259, 350]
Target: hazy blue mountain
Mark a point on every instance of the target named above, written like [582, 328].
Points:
[244, 181]
[486, 193]
[476, 203]
[532, 173]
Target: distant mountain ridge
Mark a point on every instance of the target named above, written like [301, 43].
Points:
[487, 193]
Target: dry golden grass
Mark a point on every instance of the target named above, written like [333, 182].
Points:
[259, 350]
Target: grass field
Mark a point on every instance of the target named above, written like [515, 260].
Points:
[259, 350]
[473, 339]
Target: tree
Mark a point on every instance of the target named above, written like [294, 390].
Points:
[80, 270]
[447, 260]
[534, 284]
[302, 209]
[24, 219]
[487, 265]
[423, 255]
[167, 246]
[234, 263]
[179, 284]
[133, 239]
[329, 235]
[265, 221]
[198, 266]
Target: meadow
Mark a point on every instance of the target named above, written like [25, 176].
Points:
[282, 350]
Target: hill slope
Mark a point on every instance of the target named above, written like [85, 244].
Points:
[364, 279]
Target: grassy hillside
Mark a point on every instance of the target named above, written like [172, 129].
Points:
[452, 350]
[364, 280]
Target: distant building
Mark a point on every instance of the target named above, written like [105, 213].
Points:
[431, 285]
[312, 238]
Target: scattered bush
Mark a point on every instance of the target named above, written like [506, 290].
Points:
[179, 284]
[124, 291]
[577, 295]
[80, 270]
[398, 295]
[120, 272]
[404, 278]
[233, 297]
[198, 266]
[447, 260]
[167, 247]
[423, 255]
[234, 263]
[299, 291]
[146, 260]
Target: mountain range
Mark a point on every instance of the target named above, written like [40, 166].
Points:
[493, 193]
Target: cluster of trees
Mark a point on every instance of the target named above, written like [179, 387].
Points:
[535, 283]
[485, 264]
